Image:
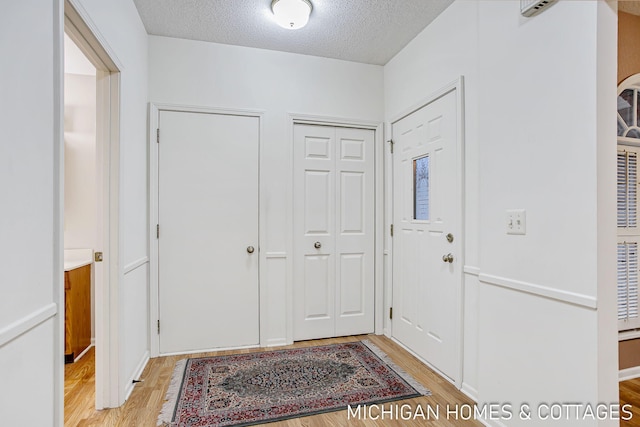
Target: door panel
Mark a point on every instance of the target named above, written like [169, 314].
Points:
[355, 236]
[353, 202]
[333, 220]
[314, 223]
[352, 275]
[317, 287]
[427, 207]
[318, 204]
[208, 215]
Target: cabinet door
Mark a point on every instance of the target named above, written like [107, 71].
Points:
[78, 311]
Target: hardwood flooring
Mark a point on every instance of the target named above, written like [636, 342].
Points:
[142, 408]
[630, 394]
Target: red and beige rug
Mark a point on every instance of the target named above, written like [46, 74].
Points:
[254, 388]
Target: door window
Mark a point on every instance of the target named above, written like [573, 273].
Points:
[421, 188]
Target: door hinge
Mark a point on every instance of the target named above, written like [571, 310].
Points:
[391, 143]
[157, 231]
[158, 135]
[158, 326]
[390, 312]
[391, 230]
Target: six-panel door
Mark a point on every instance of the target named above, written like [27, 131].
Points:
[333, 223]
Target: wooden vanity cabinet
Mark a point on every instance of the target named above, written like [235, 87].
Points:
[77, 317]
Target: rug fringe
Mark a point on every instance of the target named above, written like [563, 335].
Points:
[397, 369]
[166, 414]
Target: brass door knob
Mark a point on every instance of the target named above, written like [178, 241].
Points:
[447, 258]
[317, 245]
[250, 249]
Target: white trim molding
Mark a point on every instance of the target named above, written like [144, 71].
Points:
[629, 373]
[629, 335]
[561, 295]
[457, 84]
[27, 323]
[128, 388]
[469, 391]
[135, 265]
[469, 269]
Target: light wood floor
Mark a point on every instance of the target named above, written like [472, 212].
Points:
[630, 394]
[142, 408]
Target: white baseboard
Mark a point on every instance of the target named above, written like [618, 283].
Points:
[629, 373]
[469, 391]
[209, 350]
[492, 423]
[84, 352]
[136, 375]
[276, 342]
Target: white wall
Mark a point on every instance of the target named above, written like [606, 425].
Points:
[532, 330]
[214, 75]
[538, 115]
[119, 27]
[79, 161]
[30, 223]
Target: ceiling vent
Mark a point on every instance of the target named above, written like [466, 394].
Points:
[530, 8]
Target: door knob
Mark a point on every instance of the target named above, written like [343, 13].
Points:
[317, 245]
[447, 258]
[250, 249]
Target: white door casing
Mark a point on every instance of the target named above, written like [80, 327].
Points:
[208, 246]
[427, 267]
[333, 258]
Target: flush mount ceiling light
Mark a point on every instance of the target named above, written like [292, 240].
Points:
[291, 14]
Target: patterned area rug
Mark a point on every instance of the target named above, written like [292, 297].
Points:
[254, 388]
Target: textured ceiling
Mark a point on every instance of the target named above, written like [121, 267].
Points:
[368, 31]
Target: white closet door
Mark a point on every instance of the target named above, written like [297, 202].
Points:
[333, 232]
[208, 214]
[427, 267]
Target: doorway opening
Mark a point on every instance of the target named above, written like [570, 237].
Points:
[80, 219]
[91, 205]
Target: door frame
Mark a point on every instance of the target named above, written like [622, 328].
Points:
[81, 29]
[458, 86]
[378, 170]
[154, 295]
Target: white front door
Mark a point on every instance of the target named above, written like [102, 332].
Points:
[333, 224]
[208, 216]
[427, 251]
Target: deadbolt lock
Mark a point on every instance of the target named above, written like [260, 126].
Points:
[450, 238]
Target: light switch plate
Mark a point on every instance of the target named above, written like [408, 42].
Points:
[516, 221]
